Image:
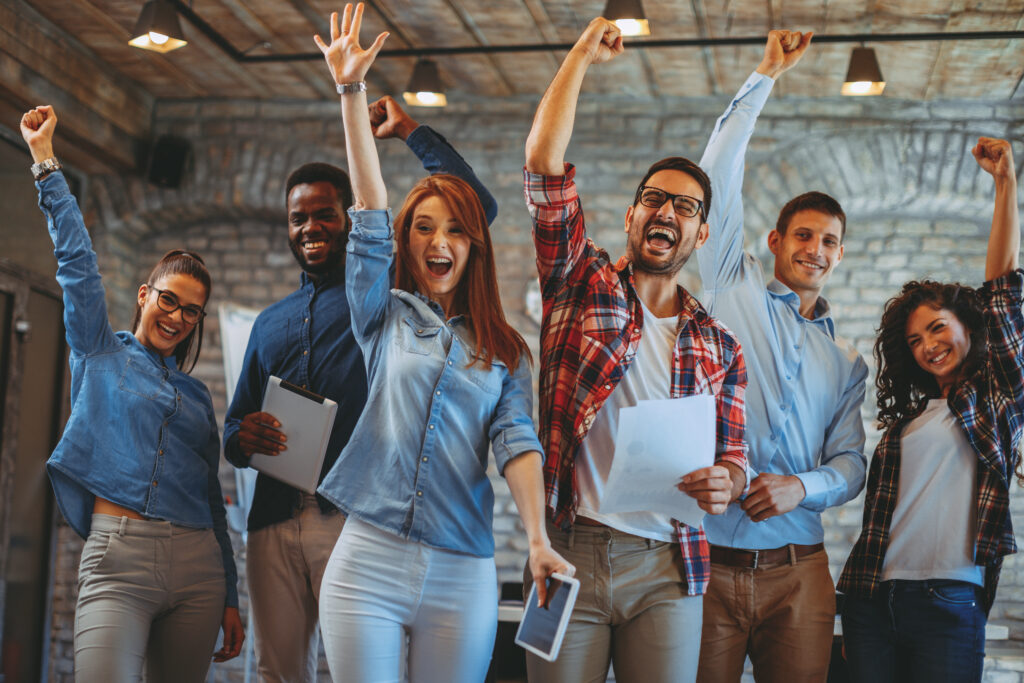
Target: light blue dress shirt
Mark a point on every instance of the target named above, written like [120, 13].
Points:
[416, 464]
[805, 388]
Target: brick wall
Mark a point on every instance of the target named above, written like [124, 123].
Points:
[917, 206]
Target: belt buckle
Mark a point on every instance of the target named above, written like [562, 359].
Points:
[757, 553]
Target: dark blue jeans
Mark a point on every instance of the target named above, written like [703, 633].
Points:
[929, 631]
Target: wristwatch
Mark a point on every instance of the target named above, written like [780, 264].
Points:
[45, 167]
[354, 87]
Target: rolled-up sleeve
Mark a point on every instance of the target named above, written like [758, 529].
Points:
[512, 432]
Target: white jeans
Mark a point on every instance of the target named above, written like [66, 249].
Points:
[379, 587]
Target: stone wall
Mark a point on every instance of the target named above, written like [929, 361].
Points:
[917, 206]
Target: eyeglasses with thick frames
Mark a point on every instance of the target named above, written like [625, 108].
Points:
[682, 204]
[168, 303]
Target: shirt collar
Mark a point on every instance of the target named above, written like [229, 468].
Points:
[691, 307]
[822, 309]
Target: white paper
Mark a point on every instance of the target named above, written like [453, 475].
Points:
[659, 442]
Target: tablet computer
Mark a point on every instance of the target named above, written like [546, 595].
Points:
[542, 628]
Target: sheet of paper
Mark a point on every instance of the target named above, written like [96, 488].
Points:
[659, 442]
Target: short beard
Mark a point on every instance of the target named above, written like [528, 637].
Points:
[335, 256]
[634, 250]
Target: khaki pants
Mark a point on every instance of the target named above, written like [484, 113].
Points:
[783, 616]
[150, 596]
[632, 611]
[285, 563]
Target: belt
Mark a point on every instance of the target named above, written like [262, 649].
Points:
[752, 559]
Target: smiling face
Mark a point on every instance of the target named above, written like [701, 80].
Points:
[807, 252]
[317, 227]
[438, 251]
[939, 343]
[660, 240]
[162, 331]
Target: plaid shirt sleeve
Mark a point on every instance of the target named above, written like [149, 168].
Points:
[1006, 331]
[558, 228]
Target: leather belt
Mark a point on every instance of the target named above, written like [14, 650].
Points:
[752, 559]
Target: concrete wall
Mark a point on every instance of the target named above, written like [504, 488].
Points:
[917, 206]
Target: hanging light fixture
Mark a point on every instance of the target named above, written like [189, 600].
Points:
[629, 16]
[425, 88]
[864, 77]
[158, 28]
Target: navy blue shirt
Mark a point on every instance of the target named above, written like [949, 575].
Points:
[306, 338]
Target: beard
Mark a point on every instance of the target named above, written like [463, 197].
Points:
[335, 255]
[669, 265]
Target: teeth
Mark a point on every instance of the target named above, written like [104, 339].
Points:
[314, 245]
[662, 232]
[807, 264]
[168, 330]
[438, 259]
[941, 357]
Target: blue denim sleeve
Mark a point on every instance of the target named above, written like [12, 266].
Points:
[438, 156]
[220, 518]
[248, 397]
[85, 307]
[512, 432]
[368, 274]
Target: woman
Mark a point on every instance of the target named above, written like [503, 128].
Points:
[922, 577]
[448, 377]
[135, 472]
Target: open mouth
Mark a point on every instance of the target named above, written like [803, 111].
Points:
[661, 238]
[439, 266]
[314, 246]
[167, 331]
[939, 359]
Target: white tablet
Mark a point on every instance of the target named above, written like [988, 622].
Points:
[542, 628]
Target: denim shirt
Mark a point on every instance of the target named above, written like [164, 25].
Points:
[417, 462]
[305, 338]
[142, 433]
[806, 386]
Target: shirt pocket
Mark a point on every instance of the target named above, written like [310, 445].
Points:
[141, 379]
[488, 379]
[417, 337]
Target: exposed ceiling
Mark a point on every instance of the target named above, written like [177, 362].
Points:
[913, 70]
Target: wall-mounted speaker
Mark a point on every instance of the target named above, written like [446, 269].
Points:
[167, 161]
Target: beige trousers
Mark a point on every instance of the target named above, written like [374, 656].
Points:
[783, 616]
[285, 564]
[150, 596]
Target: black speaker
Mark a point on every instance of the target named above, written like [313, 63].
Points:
[167, 161]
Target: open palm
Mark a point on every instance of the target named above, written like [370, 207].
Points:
[348, 61]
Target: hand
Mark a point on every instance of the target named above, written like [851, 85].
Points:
[347, 61]
[37, 126]
[544, 561]
[993, 155]
[782, 51]
[257, 433]
[771, 495]
[234, 634]
[711, 487]
[388, 120]
[601, 41]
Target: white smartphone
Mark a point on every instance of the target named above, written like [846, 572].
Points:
[542, 628]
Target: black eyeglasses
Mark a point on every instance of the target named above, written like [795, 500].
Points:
[682, 204]
[168, 303]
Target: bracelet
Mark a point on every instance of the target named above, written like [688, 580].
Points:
[346, 88]
[45, 168]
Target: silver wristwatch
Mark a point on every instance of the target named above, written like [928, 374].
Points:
[346, 88]
[45, 167]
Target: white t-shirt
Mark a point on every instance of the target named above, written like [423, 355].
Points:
[934, 525]
[648, 378]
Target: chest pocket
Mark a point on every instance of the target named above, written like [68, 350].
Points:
[417, 337]
[142, 379]
[490, 380]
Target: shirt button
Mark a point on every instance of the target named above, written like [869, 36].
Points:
[419, 331]
[305, 352]
[154, 483]
[424, 458]
[419, 493]
[773, 437]
[305, 320]
[430, 426]
[608, 387]
[160, 452]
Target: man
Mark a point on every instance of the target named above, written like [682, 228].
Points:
[771, 594]
[306, 339]
[614, 335]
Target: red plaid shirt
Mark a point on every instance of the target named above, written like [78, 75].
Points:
[989, 408]
[592, 326]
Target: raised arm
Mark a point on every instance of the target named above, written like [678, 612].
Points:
[996, 158]
[349, 63]
[552, 125]
[721, 258]
[85, 308]
[389, 120]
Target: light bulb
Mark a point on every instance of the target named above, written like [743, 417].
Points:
[158, 38]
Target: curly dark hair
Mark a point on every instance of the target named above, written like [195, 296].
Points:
[902, 384]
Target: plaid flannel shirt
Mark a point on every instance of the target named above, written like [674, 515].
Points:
[592, 326]
[989, 408]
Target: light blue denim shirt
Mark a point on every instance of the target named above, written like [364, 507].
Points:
[805, 387]
[142, 433]
[416, 464]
